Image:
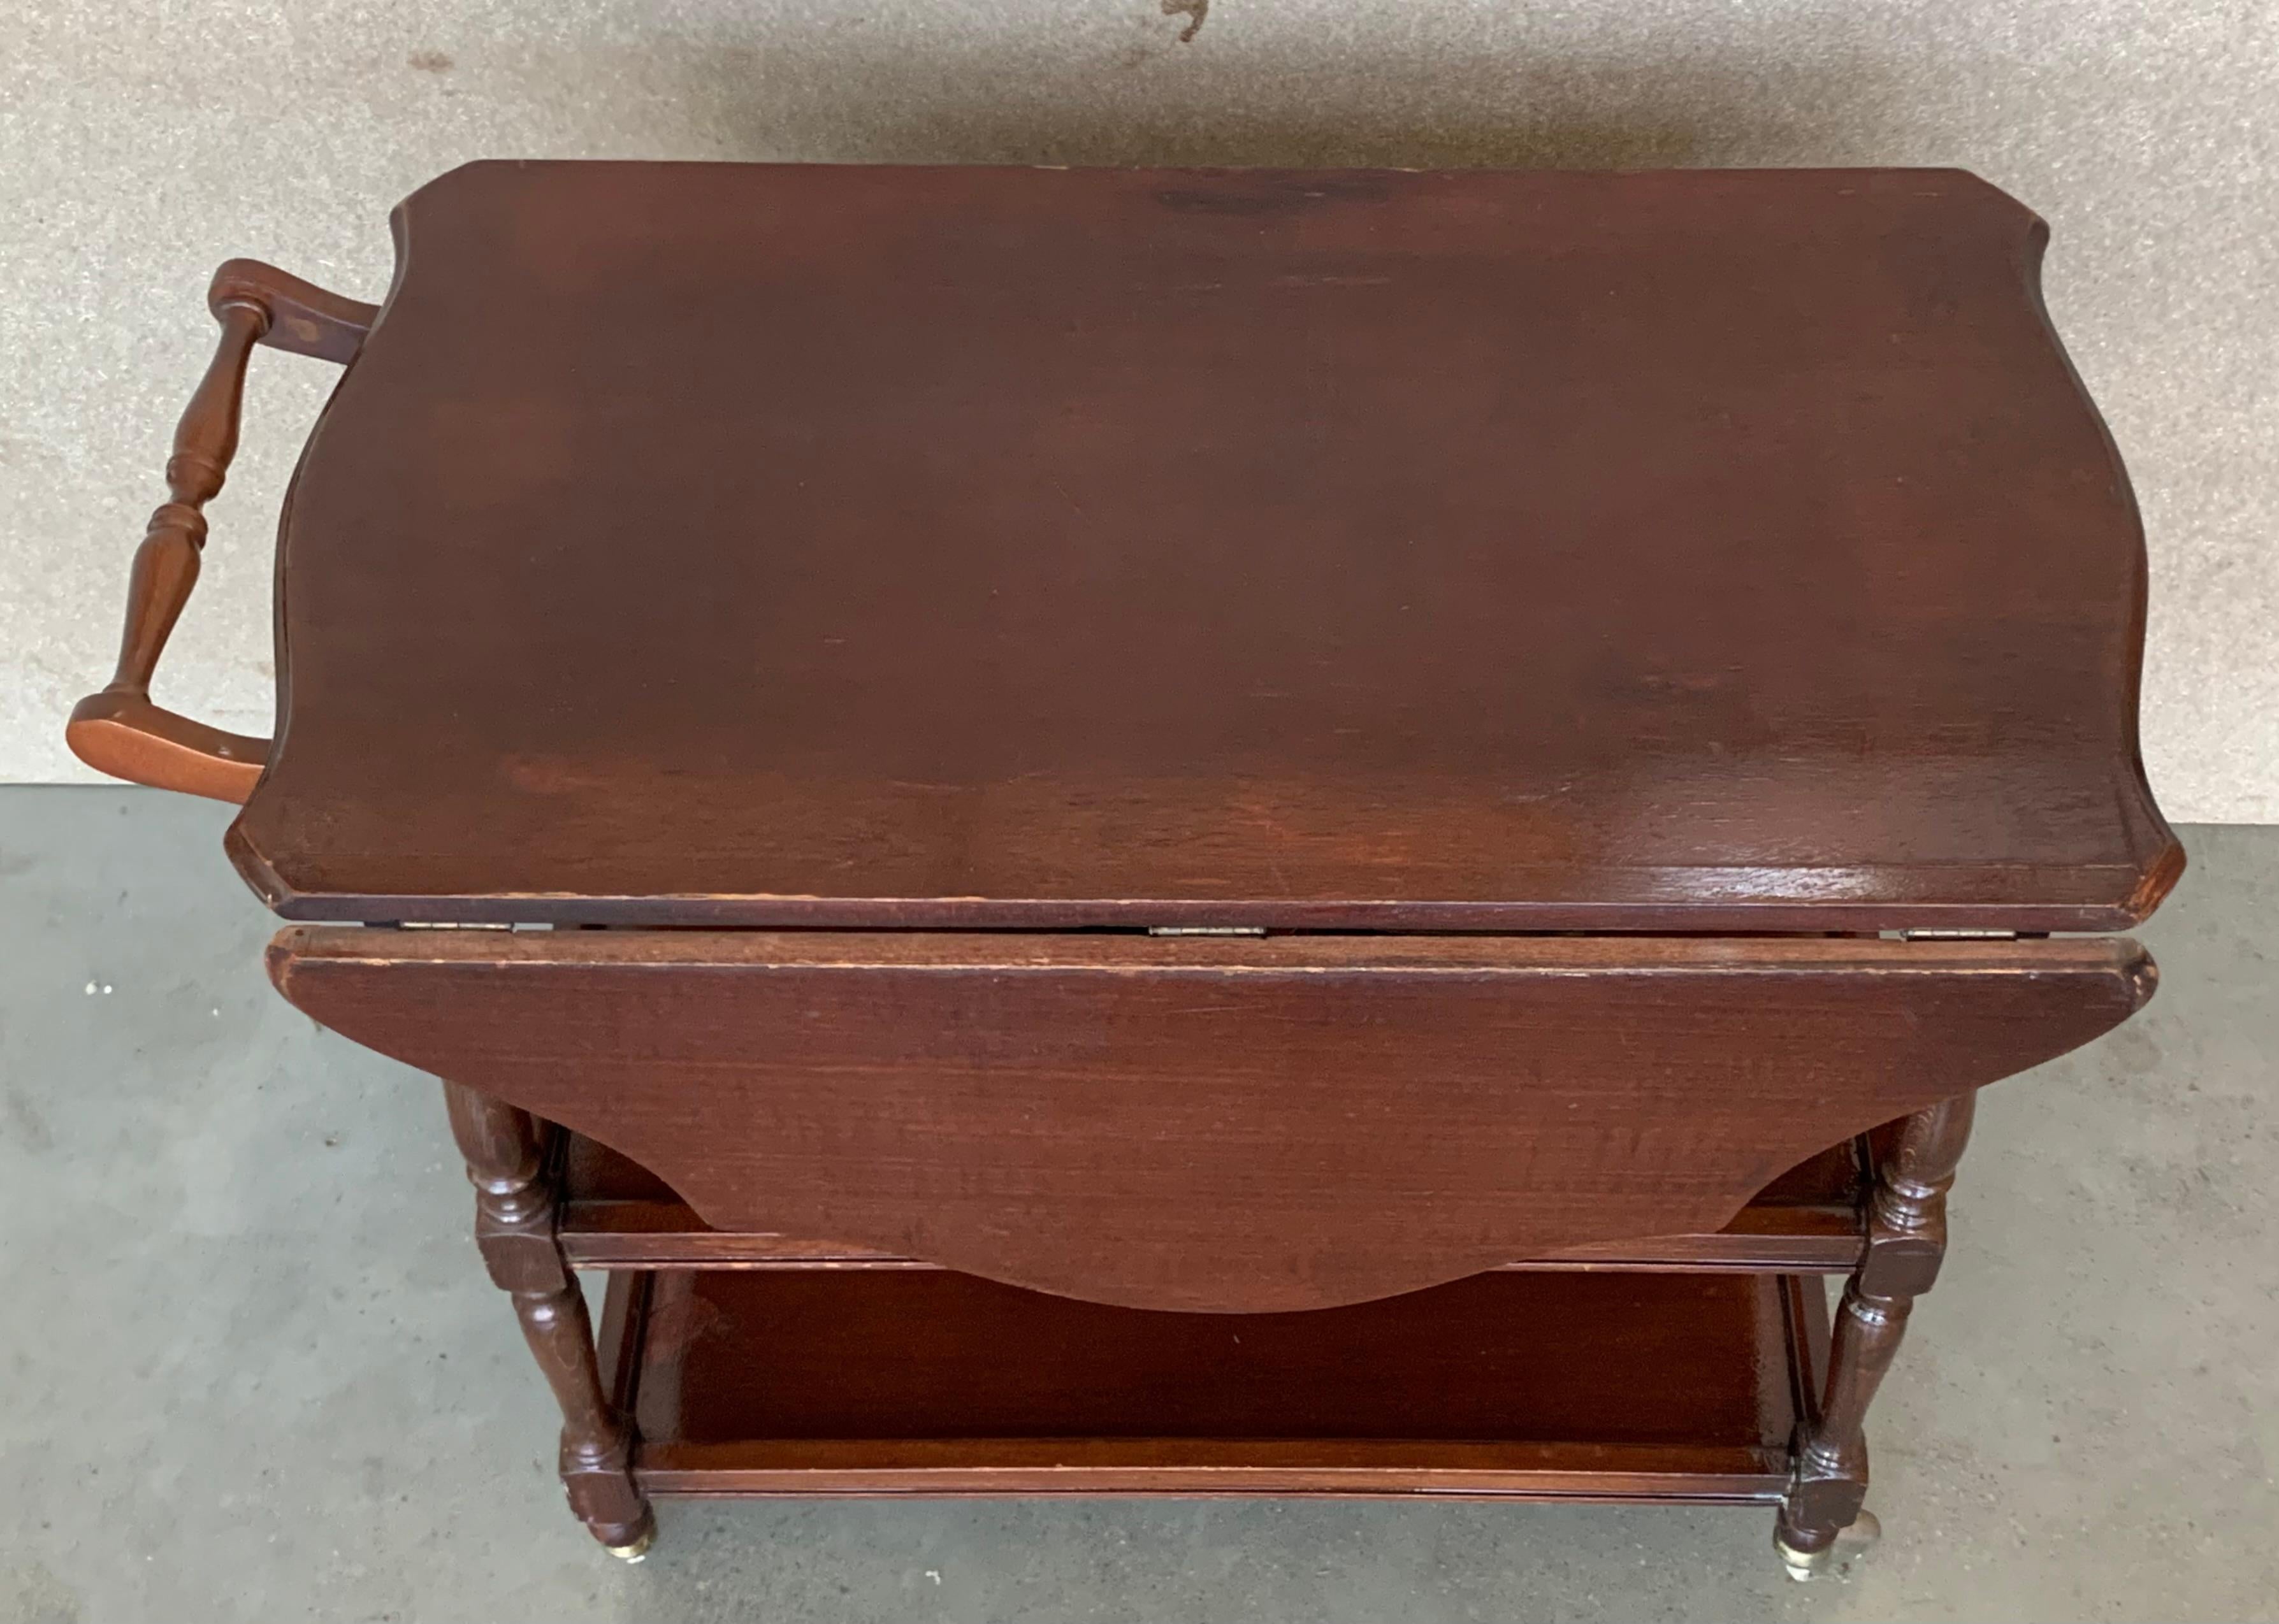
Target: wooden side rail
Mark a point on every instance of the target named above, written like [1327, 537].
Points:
[120, 731]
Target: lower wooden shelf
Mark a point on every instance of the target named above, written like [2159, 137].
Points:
[1567, 1385]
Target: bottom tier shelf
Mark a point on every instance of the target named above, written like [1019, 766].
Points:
[1556, 1386]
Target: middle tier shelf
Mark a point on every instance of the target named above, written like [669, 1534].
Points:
[617, 1214]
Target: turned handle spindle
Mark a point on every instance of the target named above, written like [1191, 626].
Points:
[120, 731]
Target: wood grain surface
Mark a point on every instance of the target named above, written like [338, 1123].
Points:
[842, 1356]
[810, 545]
[1211, 1124]
[1569, 1387]
[616, 1213]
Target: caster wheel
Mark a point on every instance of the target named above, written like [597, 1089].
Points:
[637, 1548]
[1837, 1557]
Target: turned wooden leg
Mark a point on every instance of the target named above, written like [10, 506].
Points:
[1907, 1238]
[514, 1226]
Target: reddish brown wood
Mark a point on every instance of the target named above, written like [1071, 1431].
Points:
[616, 1213]
[757, 547]
[623, 1331]
[514, 1226]
[805, 544]
[120, 731]
[1212, 1124]
[1573, 1386]
[1907, 1239]
[1569, 1472]
[304, 319]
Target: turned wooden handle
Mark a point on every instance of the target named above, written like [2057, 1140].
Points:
[120, 731]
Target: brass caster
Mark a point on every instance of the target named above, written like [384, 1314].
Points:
[637, 1550]
[1837, 1557]
[1803, 1566]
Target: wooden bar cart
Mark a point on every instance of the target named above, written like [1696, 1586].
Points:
[1193, 832]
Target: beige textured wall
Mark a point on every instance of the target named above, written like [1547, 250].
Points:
[140, 143]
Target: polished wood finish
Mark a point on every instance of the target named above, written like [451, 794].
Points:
[515, 1207]
[1906, 1241]
[616, 1213]
[1565, 1385]
[1229, 1124]
[1584, 622]
[304, 319]
[119, 730]
[805, 545]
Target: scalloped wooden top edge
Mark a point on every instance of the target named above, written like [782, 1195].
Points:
[2154, 881]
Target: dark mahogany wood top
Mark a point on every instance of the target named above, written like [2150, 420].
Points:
[803, 545]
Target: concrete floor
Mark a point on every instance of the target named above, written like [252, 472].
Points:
[253, 1369]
